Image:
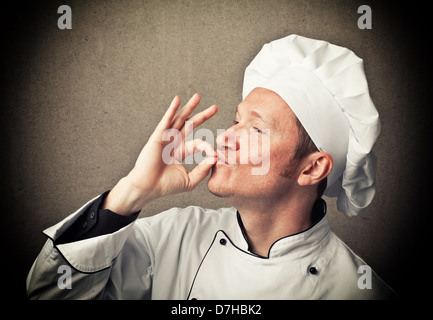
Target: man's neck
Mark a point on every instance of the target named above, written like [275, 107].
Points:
[268, 222]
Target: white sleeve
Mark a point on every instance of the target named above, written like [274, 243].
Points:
[94, 268]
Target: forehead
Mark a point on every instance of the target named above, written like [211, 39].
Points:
[270, 107]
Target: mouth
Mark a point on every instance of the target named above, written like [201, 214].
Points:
[221, 158]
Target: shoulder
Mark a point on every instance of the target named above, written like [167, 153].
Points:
[189, 219]
[352, 277]
[193, 215]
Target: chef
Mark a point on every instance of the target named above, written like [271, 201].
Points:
[273, 241]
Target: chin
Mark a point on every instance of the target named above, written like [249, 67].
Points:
[218, 184]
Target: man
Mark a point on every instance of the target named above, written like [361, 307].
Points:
[311, 100]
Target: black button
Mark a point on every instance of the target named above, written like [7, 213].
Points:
[193, 298]
[223, 241]
[84, 224]
[92, 214]
[313, 270]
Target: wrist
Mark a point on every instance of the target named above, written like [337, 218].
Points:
[125, 199]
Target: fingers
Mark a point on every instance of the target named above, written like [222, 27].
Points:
[203, 168]
[185, 112]
[198, 174]
[198, 119]
[191, 147]
[167, 119]
[172, 121]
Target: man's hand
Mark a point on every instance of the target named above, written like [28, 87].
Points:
[151, 177]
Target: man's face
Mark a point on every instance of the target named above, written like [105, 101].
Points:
[232, 176]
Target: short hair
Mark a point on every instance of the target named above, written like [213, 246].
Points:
[304, 147]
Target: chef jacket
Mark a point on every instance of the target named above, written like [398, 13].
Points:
[193, 253]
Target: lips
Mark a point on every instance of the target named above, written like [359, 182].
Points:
[221, 156]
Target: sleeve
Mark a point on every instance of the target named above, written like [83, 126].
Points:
[93, 267]
[95, 222]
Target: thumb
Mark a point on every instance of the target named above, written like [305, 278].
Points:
[203, 168]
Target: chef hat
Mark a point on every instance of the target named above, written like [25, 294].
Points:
[326, 87]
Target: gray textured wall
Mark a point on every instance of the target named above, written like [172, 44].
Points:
[78, 105]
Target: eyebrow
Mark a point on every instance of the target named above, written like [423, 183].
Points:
[254, 114]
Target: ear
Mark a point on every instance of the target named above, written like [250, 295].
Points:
[317, 167]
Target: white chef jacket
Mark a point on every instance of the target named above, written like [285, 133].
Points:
[196, 253]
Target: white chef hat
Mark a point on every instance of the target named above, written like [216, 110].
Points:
[326, 87]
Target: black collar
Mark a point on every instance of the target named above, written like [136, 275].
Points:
[317, 213]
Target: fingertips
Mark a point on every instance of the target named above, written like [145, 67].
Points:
[175, 103]
[199, 173]
[195, 98]
[192, 103]
[169, 114]
[211, 111]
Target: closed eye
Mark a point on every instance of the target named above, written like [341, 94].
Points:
[235, 122]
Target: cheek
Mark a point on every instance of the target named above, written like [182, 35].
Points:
[281, 156]
[269, 155]
[259, 148]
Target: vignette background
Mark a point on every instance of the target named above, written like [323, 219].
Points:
[78, 105]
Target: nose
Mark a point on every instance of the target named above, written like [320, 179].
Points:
[228, 140]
